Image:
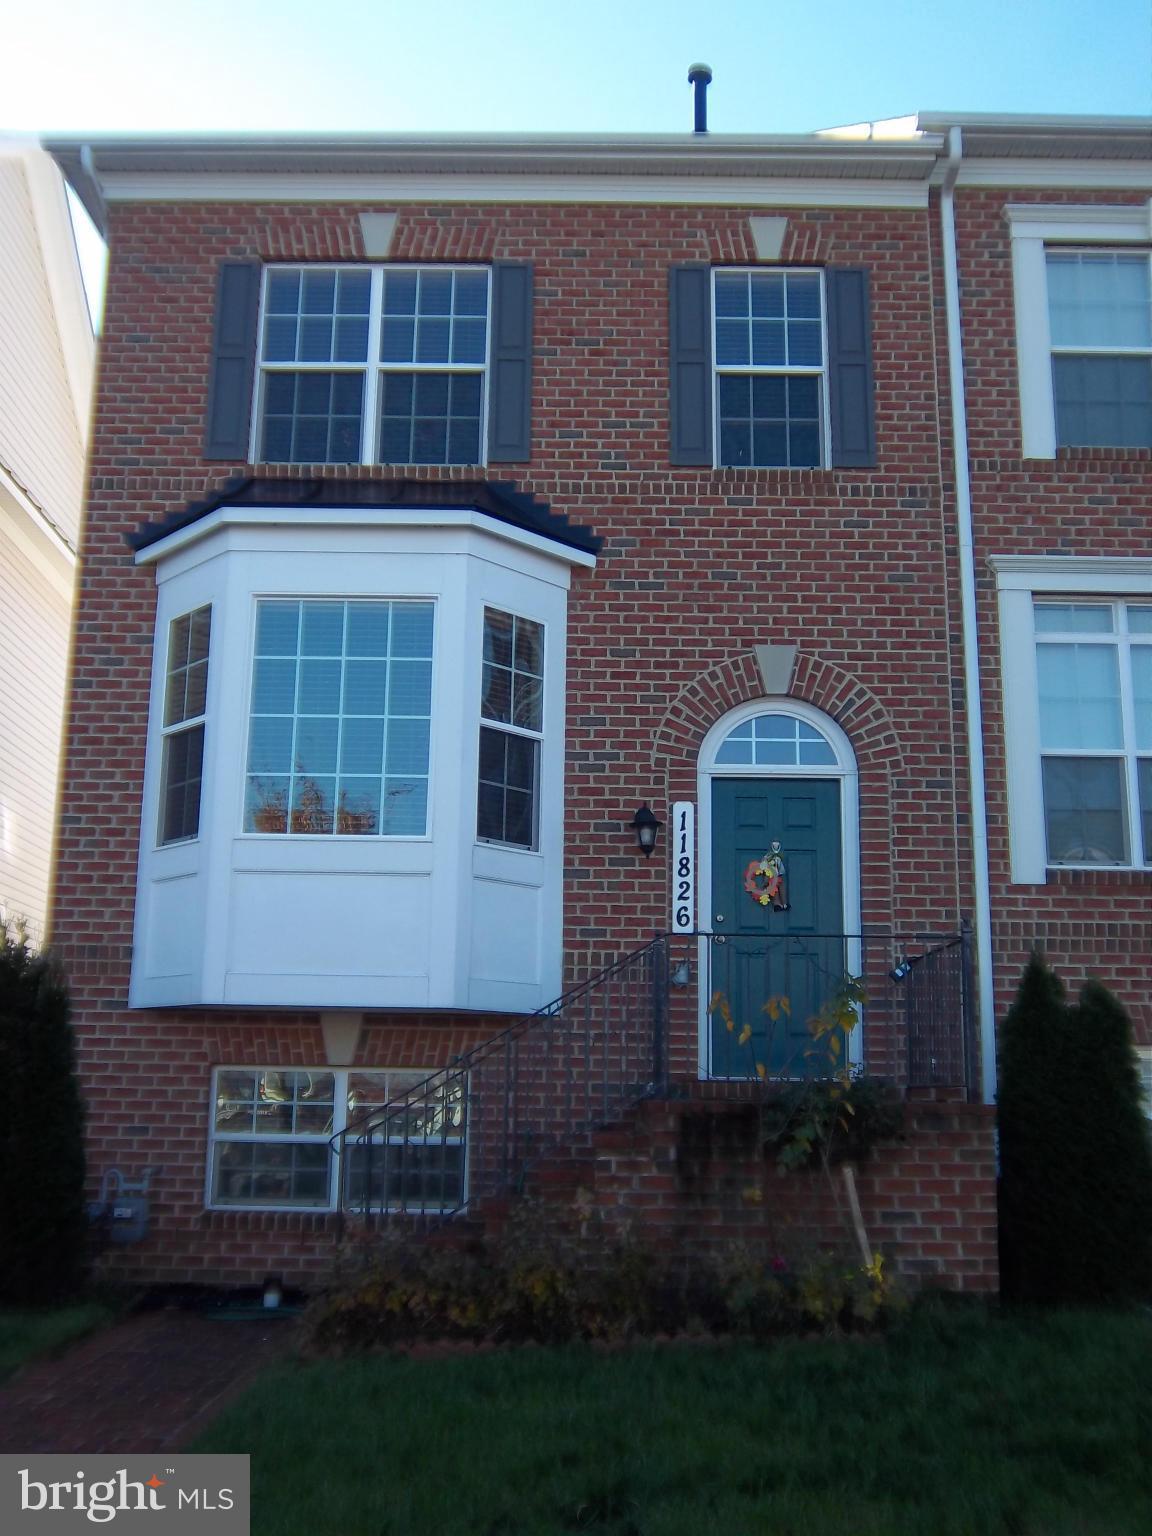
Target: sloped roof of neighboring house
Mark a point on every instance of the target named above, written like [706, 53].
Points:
[497, 498]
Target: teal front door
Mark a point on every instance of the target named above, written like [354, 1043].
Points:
[791, 947]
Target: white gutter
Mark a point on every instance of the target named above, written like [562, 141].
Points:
[985, 995]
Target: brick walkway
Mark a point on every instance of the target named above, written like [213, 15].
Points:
[149, 1383]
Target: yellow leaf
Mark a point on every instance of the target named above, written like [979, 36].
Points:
[771, 1009]
[761, 1071]
[787, 1006]
[745, 1035]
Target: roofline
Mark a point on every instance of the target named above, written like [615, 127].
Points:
[1034, 122]
[152, 167]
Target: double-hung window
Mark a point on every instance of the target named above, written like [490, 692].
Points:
[271, 1130]
[385, 364]
[185, 702]
[1100, 321]
[512, 720]
[770, 374]
[338, 739]
[1094, 679]
[1082, 290]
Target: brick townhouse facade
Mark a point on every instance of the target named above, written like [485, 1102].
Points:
[457, 505]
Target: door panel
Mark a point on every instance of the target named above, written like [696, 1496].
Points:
[760, 953]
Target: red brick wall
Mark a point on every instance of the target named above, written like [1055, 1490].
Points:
[693, 1176]
[1085, 502]
[698, 566]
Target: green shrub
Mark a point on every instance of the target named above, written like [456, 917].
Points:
[1075, 1153]
[42, 1214]
[549, 1281]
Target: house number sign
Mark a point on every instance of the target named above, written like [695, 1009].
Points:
[683, 866]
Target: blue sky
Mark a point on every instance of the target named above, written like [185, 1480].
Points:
[600, 66]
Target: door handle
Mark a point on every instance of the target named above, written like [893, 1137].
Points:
[719, 917]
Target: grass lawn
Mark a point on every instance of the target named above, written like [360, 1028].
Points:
[26, 1335]
[954, 1424]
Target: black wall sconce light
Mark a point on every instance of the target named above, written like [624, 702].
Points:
[646, 827]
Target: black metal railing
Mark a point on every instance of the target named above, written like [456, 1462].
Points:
[545, 1083]
[540, 1086]
[912, 1001]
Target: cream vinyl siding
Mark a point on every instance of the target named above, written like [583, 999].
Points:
[33, 659]
[40, 444]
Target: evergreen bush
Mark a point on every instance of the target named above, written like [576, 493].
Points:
[1075, 1150]
[42, 1213]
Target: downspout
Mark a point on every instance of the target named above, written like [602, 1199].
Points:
[985, 994]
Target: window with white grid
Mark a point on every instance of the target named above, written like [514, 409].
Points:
[340, 721]
[770, 368]
[373, 364]
[271, 1130]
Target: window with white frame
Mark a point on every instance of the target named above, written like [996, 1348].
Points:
[185, 702]
[1094, 680]
[271, 1130]
[1100, 319]
[1076, 667]
[340, 721]
[1082, 291]
[372, 364]
[770, 368]
[512, 698]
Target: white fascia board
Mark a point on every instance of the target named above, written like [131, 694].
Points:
[1110, 175]
[715, 191]
[1108, 574]
[331, 518]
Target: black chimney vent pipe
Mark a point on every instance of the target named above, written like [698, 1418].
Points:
[699, 77]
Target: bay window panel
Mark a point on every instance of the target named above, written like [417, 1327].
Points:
[339, 740]
[1084, 810]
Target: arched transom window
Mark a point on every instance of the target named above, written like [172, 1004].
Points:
[775, 741]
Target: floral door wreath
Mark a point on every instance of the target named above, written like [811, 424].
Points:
[765, 880]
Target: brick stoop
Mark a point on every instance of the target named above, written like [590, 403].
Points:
[689, 1175]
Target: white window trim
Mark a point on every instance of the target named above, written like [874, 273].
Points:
[340, 1077]
[187, 723]
[773, 370]
[372, 367]
[1034, 227]
[1019, 580]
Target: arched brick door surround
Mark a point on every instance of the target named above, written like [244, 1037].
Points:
[859, 714]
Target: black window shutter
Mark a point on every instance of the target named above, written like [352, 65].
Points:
[850, 369]
[690, 363]
[226, 429]
[510, 389]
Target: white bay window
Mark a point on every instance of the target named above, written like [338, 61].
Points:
[381, 818]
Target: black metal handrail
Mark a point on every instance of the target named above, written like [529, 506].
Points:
[547, 1081]
[543, 1084]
